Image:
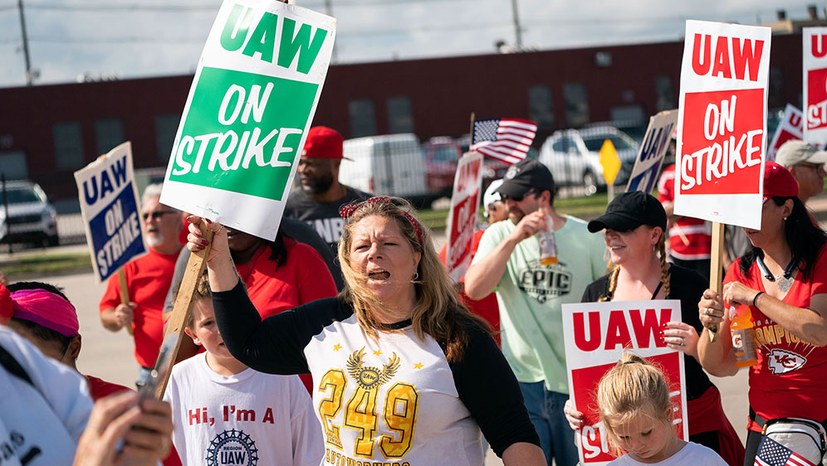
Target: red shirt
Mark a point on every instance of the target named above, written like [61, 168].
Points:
[273, 288]
[788, 380]
[148, 279]
[99, 388]
[689, 238]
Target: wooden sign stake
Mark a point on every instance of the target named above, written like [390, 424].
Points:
[716, 267]
[183, 304]
[124, 294]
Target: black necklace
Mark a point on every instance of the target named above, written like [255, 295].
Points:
[395, 325]
[784, 280]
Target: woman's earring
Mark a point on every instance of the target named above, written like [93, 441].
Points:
[416, 276]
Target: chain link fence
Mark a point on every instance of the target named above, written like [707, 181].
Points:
[574, 158]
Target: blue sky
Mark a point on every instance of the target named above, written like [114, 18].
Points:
[139, 38]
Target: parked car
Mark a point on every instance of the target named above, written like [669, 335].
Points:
[26, 214]
[389, 165]
[441, 158]
[573, 156]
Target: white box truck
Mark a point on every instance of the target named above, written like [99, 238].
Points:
[388, 165]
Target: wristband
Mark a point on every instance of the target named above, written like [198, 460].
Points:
[756, 299]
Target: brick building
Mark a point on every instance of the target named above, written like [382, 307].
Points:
[48, 132]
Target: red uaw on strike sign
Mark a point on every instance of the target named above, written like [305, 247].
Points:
[814, 58]
[722, 128]
[463, 214]
[597, 334]
[791, 127]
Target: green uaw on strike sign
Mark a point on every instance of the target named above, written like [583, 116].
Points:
[251, 103]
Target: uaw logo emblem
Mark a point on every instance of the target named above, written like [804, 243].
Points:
[232, 447]
[544, 282]
[370, 378]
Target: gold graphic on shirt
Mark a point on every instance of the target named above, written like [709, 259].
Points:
[370, 378]
[378, 353]
[418, 365]
[337, 347]
[390, 426]
[333, 385]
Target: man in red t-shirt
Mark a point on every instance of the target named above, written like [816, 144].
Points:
[148, 279]
[690, 239]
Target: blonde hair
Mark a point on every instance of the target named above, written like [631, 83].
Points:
[660, 250]
[664, 266]
[632, 388]
[438, 310]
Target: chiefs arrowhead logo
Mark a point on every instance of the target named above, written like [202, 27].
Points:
[783, 361]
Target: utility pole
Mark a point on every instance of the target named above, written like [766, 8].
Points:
[518, 32]
[25, 43]
[328, 9]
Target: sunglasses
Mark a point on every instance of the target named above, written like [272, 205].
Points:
[530, 192]
[490, 207]
[156, 215]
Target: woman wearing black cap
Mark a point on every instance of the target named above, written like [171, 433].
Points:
[783, 280]
[634, 225]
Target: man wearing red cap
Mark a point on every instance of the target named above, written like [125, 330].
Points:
[321, 195]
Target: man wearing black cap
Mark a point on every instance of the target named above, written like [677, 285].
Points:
[531, 296]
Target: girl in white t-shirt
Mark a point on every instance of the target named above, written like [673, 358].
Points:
[633, 400]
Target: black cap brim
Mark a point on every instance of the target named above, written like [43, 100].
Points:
[614, 221]
[512, 189]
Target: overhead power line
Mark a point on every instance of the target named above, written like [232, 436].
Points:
[173, 7]
[113, 7]
[113, 40]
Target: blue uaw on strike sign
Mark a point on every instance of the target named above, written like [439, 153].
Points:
[108, 202]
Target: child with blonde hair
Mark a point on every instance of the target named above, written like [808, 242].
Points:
[633, 400]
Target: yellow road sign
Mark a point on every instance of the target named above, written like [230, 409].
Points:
[609, 161]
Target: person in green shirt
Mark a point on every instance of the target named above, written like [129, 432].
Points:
[531, 296]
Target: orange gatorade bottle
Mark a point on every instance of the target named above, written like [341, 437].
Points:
[743, 335]
[548, 246]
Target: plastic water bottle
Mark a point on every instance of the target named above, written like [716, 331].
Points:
[548, 246]
[743, 335]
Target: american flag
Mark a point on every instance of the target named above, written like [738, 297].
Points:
[506, 139]
[772, 453]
